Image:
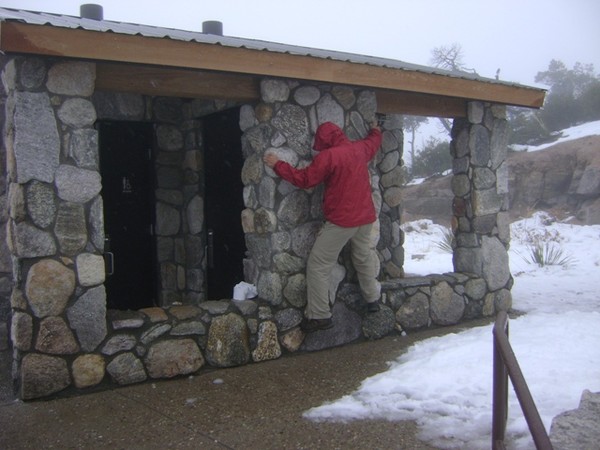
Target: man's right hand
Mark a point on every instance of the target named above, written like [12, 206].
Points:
[270, 159]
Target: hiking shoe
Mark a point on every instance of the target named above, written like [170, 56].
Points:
[373, 307]
[311, 325]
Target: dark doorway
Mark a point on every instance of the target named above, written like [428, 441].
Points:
[224, 203]
[126, 166]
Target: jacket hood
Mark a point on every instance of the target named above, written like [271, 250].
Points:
[329, 135]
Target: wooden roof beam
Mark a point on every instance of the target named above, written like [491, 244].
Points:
[168, 82]
[104, 46]
[412, 104]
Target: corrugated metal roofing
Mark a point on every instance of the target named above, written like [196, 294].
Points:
[64, 21]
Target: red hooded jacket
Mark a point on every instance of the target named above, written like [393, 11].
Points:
[342, 165]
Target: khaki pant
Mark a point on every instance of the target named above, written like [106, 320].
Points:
[323, 257]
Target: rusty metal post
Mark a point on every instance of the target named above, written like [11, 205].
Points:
[505, 357]
[500, 386]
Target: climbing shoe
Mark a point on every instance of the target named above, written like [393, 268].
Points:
[310, 325]
[373, 307]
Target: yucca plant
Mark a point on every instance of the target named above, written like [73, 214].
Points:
[446, 243]
[548, 254]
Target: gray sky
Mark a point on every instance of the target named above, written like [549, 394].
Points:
[518, 36]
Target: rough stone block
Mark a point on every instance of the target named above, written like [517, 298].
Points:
[292, 340]
[36, 142]
[171, 358]
[347, 327]
[228, 341]
[126, 369]
[72, 78]
[268, 345]
[90, 269]
[414, 312]
[379, 324]
[307, 95]
[40, 204]
[447, 307]
[77, 185]
[119, 343]
[274, 90]
[77, 113]
[43, 375]
[88, 370]
[48, 288]
[288, 318]
[21, 331]
[27, 241]
[88, 318]
[578, 429]
[495, 265]
[55, 337]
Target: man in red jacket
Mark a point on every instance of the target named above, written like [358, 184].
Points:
[349, 212]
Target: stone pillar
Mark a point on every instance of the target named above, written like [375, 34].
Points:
[55, 227]
[174, 194]
[281, 221]
[390, 166]
[5, 259]
[480, 187]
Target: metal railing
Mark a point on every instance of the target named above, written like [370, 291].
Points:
[506, 365]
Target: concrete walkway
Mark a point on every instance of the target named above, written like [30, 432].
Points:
[257, 406]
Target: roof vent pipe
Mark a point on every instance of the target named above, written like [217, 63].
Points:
[212, 27]
[91, 11]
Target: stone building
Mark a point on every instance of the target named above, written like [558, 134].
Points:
[134, 197]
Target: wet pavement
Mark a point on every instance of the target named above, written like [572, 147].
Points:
[257, 406]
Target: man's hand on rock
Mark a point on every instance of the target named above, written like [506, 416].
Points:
[270, 159]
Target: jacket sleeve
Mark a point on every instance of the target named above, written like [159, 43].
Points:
[372, 143]
[305, 178]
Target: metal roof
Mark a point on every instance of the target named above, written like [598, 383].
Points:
[107, 26]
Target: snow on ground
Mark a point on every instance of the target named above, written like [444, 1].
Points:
[576, 132]
[445, 383]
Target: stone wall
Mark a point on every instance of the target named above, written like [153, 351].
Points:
[5, 259]
[157, 343]
[55, 231]
[61, 332]
[55, 227]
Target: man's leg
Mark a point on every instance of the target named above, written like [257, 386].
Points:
[366, 263]
[323, 256]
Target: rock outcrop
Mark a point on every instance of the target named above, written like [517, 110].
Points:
[564, 178]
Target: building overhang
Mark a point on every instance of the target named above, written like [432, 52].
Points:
[162, 66]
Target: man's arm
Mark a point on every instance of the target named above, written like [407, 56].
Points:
[303, 178]
[372, 141]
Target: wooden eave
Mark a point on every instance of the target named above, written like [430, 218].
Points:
[162, 66]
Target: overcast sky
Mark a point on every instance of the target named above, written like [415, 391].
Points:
[519, 37]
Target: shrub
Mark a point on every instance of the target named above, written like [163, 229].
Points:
[447, 240]
[548, 254]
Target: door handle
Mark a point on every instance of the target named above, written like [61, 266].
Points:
[109, 257]
[109, 263]
[211, 249]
